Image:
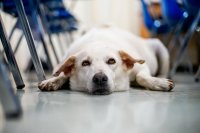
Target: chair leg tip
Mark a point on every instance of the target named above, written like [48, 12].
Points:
[196, 79]
[20, 86]
[14, 114]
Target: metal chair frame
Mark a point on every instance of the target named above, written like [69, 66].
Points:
[9, 100]
[10, 57]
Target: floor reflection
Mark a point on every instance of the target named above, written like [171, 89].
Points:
[132, 111]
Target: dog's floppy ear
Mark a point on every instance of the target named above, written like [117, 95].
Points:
[128, 60]
[67, 67]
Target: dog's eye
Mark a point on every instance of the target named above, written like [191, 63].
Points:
[111, 61]
[86, 63]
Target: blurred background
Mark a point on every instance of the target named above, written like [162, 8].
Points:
[89, 13]
[131, 15]
[35, 35]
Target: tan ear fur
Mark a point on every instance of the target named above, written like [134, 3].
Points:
[128, 60]
[67, 66]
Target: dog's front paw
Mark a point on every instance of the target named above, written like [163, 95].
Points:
[48, 85]
[163, 84]
[171, 84]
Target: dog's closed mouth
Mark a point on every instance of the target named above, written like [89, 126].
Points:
[101, 92]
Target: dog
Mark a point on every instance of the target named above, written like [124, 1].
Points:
[107, 59]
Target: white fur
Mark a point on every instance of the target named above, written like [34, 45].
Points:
[100, 44]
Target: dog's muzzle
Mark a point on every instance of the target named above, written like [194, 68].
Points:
[100, 84]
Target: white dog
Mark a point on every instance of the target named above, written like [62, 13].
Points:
[107, 59]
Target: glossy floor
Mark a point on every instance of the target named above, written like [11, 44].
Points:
[134, 111]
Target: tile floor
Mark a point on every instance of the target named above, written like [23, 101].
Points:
[134, 111]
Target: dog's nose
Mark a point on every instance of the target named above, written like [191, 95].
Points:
[100, 79]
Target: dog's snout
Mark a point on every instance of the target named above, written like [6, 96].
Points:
[100, 84]
[100, 79]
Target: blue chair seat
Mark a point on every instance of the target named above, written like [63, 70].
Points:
[59, 14]
[9, 7]
[156, 26]
[59, 19]
[174, 13]
[192, 6]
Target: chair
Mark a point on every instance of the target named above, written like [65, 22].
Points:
[29, 37]
[173, 12]
[10, 102]
[56, 18]
[192, 5]
[154, 25]
[197, 75]
[31, 12]
[10, 57]
[177, 18]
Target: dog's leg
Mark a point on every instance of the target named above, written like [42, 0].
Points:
[53, 83]
[162, 55]
[61, 75]
[144, 79]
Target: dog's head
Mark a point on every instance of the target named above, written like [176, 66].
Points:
[98, 71]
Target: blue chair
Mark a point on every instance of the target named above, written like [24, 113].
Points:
[31, 12]
[177, 18]
[172, 12]
[10, 57]
[10, 8]
[154, 25]
[192, 5]
[10, 102]
[28, 35]
[61, 20]
[56, 18]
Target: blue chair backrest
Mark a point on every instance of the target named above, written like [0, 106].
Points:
[43, 1]
[155, 25]
[192, 6]
[10, 8]
[147, 17]
[59, 19]
[171, 11]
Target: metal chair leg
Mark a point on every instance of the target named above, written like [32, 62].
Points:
[53, 48]
[67, 39]
[18, 43]
[46, 51]
[186, 40]
[37, 23]
[10, 102]
[44, 44]
[10, 57]
[29, 38]
[177, 33]
[13, 29]
[197, 75]
[43, 19]
[60, 44]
